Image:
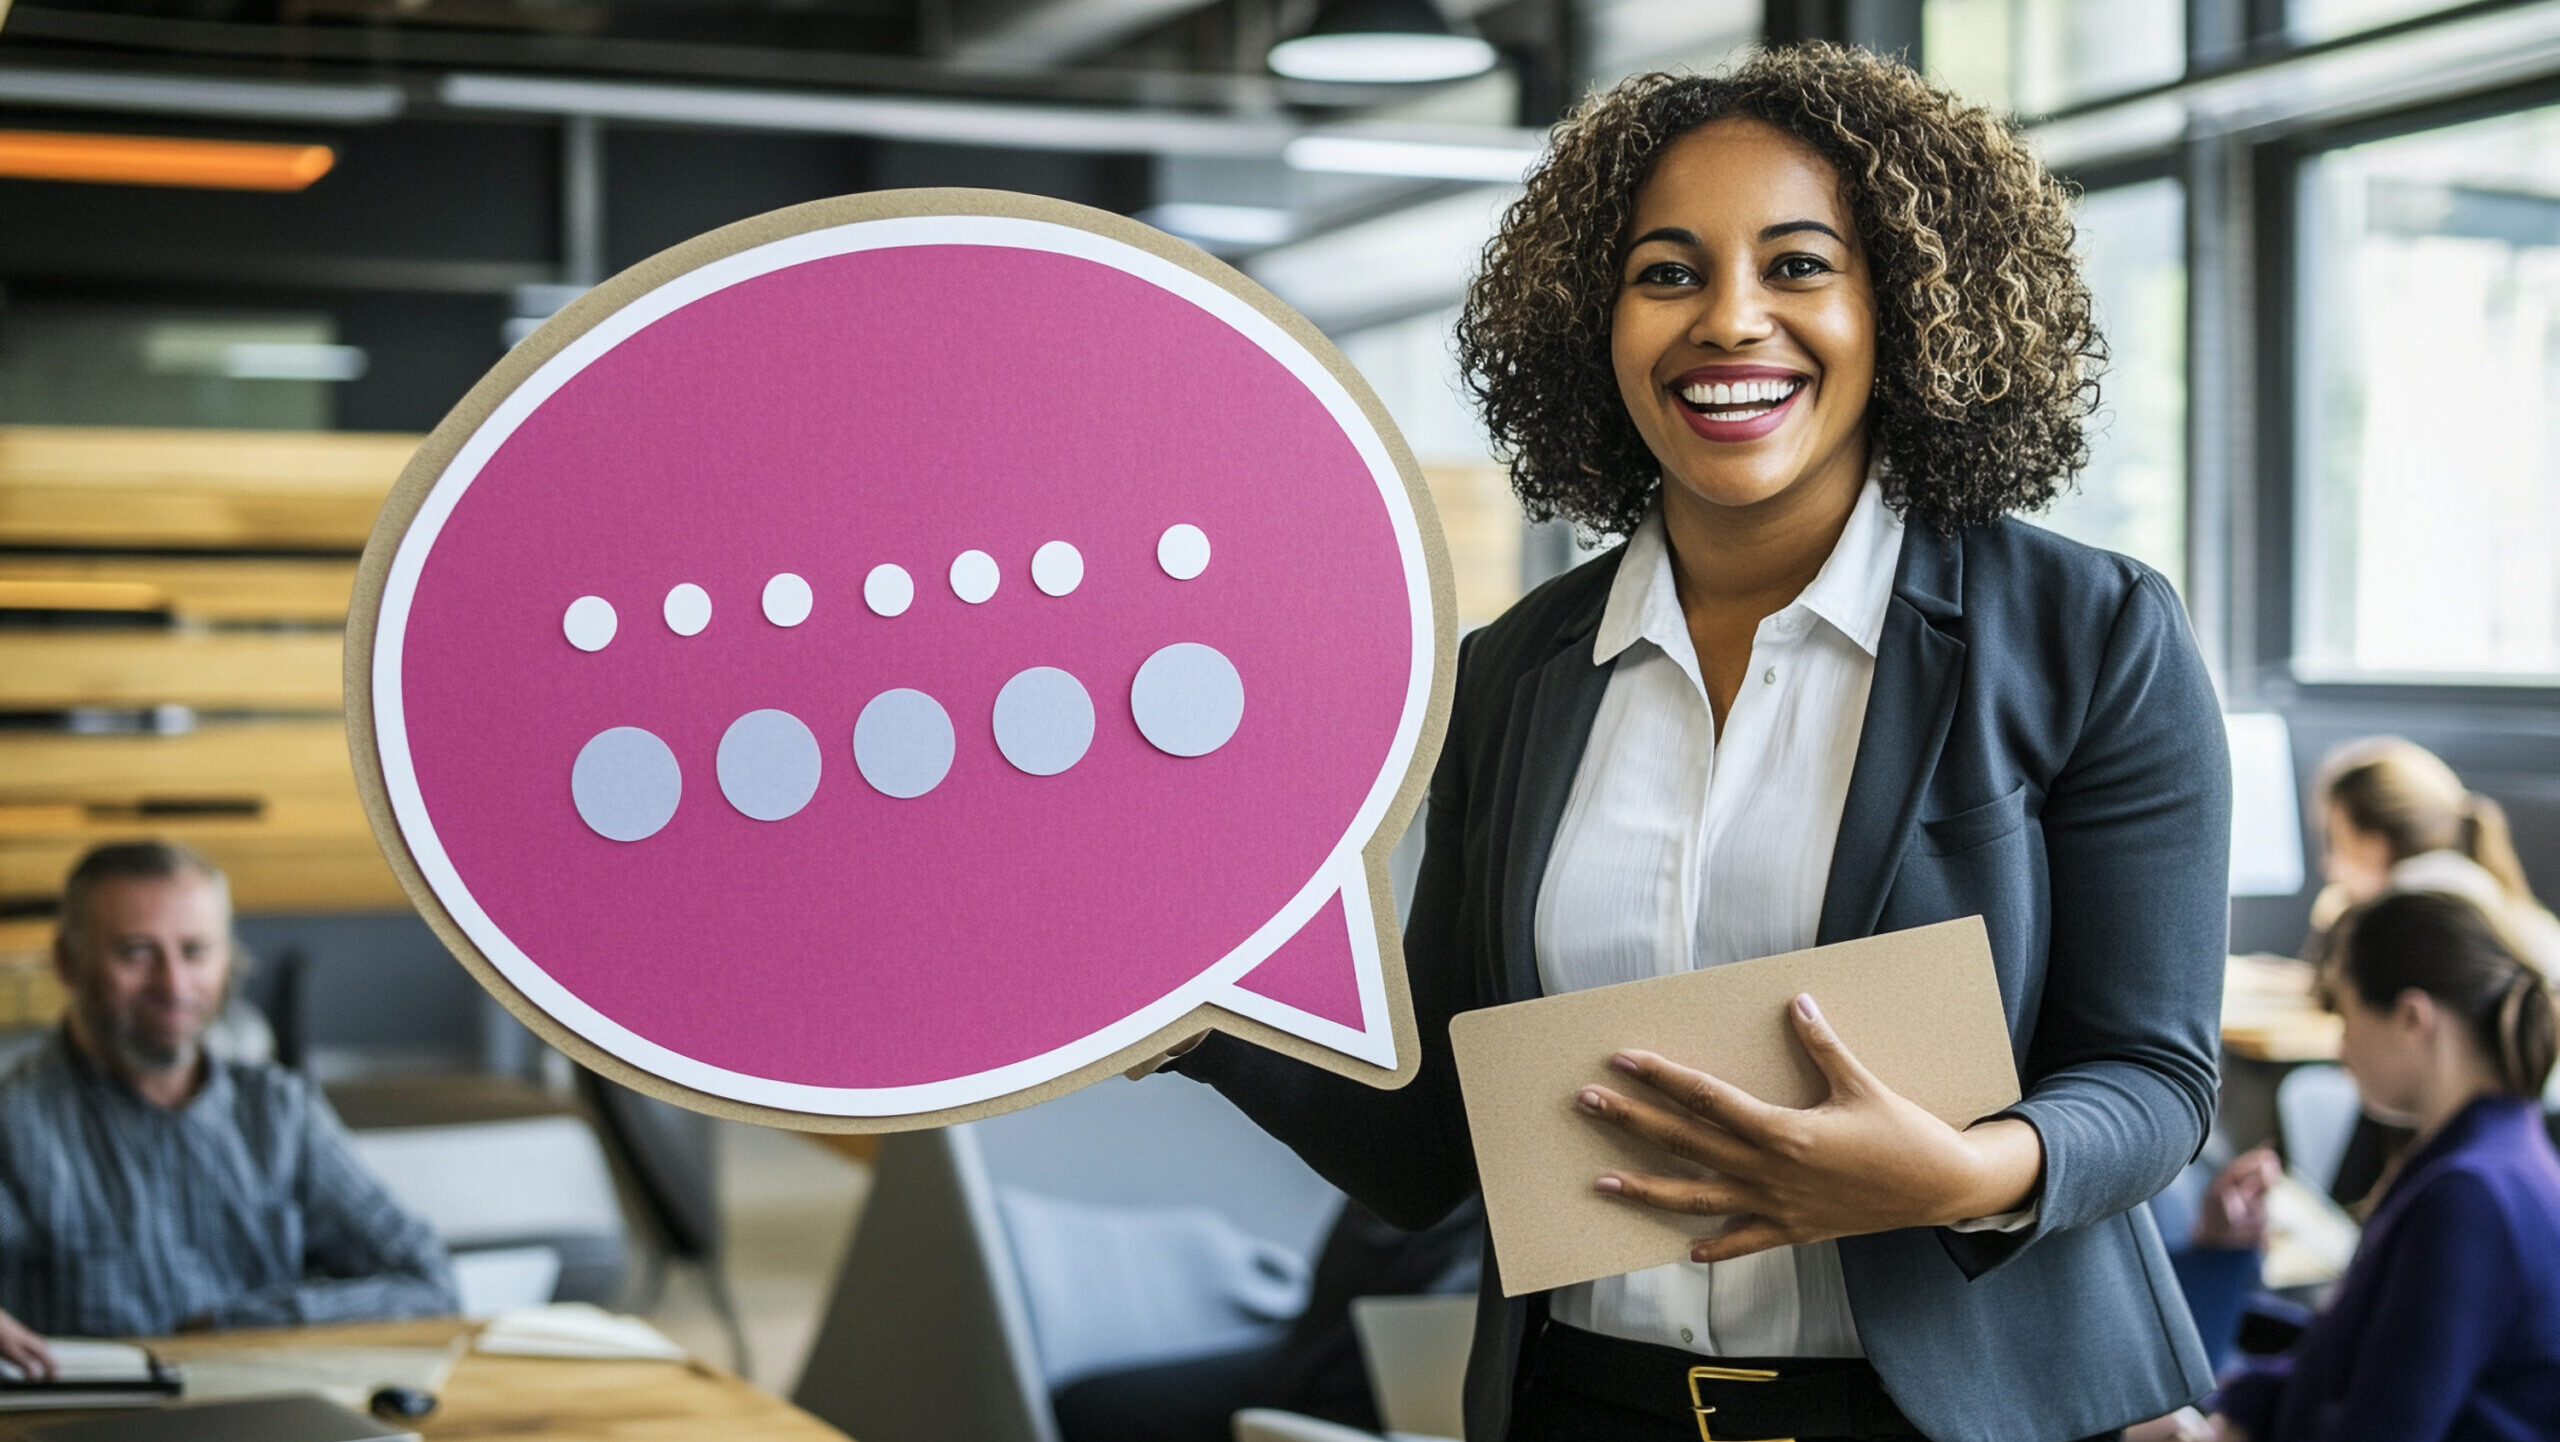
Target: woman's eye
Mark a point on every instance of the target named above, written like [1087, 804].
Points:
[1802, 267]
[1666, 272]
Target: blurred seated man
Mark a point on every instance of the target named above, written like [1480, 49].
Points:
[147, 1187]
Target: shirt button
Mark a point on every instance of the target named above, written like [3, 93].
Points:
[1687, 1336]
[1769, 677]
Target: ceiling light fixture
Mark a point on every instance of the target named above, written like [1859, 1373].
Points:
[1381, 42]
[201, 95]
[1419, 160]
[154, 160]
[950, 122]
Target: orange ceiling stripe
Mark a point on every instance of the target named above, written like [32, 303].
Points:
[152, 160]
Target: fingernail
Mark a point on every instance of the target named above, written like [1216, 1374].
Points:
[1611, 1185]
[1590, 1099]
[1805, 1007]
[1623, 1062]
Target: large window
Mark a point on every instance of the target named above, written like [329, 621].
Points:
[2133, 497]
[2034, 57]
[2329, 19]
[2429, 540]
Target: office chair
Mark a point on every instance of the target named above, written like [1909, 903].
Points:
[665, 1153]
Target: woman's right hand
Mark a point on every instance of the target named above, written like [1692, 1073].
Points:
[24, 1350]
[2234, 1214]
[2185, 1425]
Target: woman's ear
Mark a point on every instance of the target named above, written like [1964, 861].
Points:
[2415, 1013]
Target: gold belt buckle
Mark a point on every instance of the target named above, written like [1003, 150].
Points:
[1725, 1374]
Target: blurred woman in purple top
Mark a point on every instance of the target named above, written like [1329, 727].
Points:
[2446, 1327]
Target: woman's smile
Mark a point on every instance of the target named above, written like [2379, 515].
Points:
[1738, 403]
[1744, 331]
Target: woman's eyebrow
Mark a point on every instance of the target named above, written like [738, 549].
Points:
[1677, 236]
[1671, 233]
[1797, 227]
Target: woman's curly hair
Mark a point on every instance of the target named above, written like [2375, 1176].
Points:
[1986, 353]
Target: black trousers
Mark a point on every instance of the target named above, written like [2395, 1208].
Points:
[1583, 1387]
[1555, 1415]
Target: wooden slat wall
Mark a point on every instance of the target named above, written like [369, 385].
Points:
[1482, 524]
[28, 991]
[208, 670]
[215, 589]
[102, 489]
[244, 626]
[304, 756]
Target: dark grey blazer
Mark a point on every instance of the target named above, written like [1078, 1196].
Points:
[2042, 747]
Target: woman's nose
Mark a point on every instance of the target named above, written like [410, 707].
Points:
[1732, 314]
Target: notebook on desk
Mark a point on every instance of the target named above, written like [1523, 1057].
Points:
[90, 1374]
[299, 1417]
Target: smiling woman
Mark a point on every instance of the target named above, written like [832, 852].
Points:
[1722, 324]
[1805, 334]
[1984, 349]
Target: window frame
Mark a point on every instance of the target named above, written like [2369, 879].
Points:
[2283, 398]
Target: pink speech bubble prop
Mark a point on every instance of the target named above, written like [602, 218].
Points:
[771, 519]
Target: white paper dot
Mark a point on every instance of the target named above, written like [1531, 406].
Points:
[1183, 551]
[626, 784]
[787, 600]
[688, 609]
[974, 576]
[889, 590]
[590, 623]
[1043, 720]
[768, 765]
[903, 743]
[1187, 699]
[1057, 568]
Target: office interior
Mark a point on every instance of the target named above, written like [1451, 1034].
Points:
[2323, 235]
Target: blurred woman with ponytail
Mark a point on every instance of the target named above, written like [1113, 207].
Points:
[2447, 1324]
[2398, 819]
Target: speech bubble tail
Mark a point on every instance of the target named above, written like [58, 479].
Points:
[1327, 984]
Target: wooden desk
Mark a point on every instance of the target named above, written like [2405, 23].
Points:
[2271, 1023]
[492, 1398]
[2269, 1013]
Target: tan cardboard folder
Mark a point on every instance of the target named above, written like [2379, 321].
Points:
[1921, 1008]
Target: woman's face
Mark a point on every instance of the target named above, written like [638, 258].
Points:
[2356, 861]
[2386, 1054]
[1744, 334]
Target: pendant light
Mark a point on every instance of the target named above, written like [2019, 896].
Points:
[1381, 42]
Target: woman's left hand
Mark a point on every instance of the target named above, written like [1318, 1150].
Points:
[1865, 1159]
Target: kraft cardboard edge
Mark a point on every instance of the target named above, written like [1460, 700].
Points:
[437, 451]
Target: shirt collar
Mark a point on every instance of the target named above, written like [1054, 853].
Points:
[1852, 591]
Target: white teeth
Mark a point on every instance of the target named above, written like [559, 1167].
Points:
[1743, 393]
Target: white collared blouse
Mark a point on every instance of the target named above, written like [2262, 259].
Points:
[1680, 849]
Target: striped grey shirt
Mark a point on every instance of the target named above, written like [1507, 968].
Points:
[246, 1207]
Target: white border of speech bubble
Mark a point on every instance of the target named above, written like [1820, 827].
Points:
[1342, 872]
